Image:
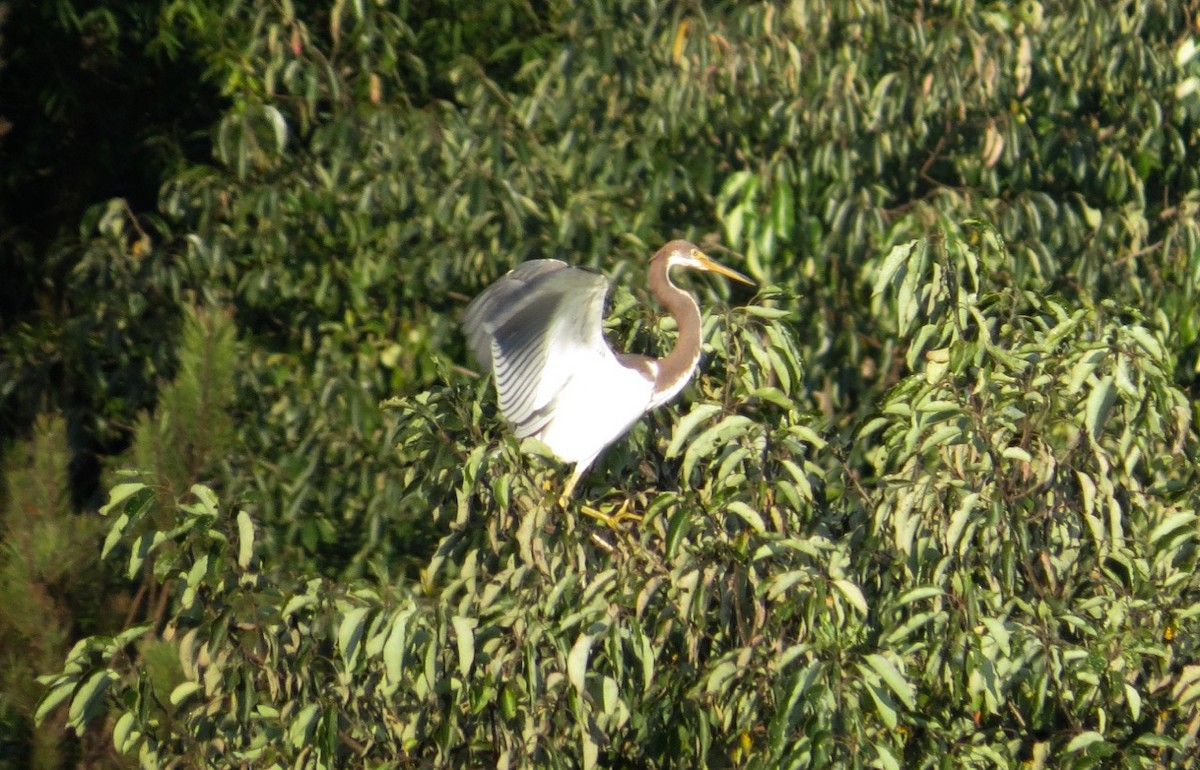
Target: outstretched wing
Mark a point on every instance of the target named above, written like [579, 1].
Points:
[534, 328]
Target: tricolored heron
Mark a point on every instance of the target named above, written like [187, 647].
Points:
[538, 330]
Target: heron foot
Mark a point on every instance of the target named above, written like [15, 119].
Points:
[610, 519]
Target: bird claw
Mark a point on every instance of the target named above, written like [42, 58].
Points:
[612, 520]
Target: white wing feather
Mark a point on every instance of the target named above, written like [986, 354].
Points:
[534, 328]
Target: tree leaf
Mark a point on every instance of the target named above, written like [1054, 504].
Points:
[1083, 741]
[394, 648]
[749, 515]
[891, 265]
[245, 539]
[183, 691]
[1172, 524]
[464, 635]
[87, 700]
[53, 697]
[577, 661]
[119, 494]
[350, 632]
[727, 430]
[853, 595]
[1099, 405]
[892, 677]
[687, 424]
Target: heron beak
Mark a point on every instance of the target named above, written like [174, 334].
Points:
[704, 262]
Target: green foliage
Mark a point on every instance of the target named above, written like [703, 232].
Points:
[1009, 583]
[51, 587]
[373, 165]
[44, 596]
[192, 427]
[929, 497]
[97, 101]
[1034, 475]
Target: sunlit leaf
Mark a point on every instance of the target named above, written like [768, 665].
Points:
[464, 635]
[245, 539]
[1099, 404]
[577, 661]
[853, 594]
[87, 698]
[894, 680]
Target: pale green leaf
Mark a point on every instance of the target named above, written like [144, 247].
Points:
[1173, 523]
[785, 581]
[883, 702]
[125, 732]
[1082, 741]
[727, 430]
[183, 691]
[119, 494]
[1146, 339]
[892, 677]
[86, 702]
[1185, 52]
[853, 594]
[919, 593]
[245, 539]
[610, 695]
[52, 698]
[687, 424]
[278, 126]
[959, 520]
[115, 534]
[577, 661]
[1099, 405]
[206, 501]
[887, 760]
[761, 311]
[891, 265]
[1016, 453]
[909, 627]
[394, 648]
[749, 515]
[720, 675]
[1134, 699]
[350, 632]
[464, 636]
[300, 731]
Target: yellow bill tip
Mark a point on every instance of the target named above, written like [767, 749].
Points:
[708, 263]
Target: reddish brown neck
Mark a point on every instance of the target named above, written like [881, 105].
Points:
[678, 365]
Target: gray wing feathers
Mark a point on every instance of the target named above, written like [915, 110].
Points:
[530, 329]
[504, 297]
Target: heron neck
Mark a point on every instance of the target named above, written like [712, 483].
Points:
[676, 368]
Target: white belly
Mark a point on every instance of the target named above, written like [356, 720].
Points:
[593, 411]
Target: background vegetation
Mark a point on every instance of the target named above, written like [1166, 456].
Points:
[931, 502]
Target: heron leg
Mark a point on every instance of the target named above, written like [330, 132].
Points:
[570, 487]
[612, 520]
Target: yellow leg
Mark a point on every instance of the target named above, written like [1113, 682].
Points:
[612, 520]
[569, 488]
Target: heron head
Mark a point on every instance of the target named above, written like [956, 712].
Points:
[681, 253]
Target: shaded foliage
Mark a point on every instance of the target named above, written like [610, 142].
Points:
[48, 595]
[1009, 586]
[93, 109]
[929, 496]
[377, 165]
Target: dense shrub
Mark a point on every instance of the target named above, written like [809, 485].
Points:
[1010, 583]
[930, 496]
